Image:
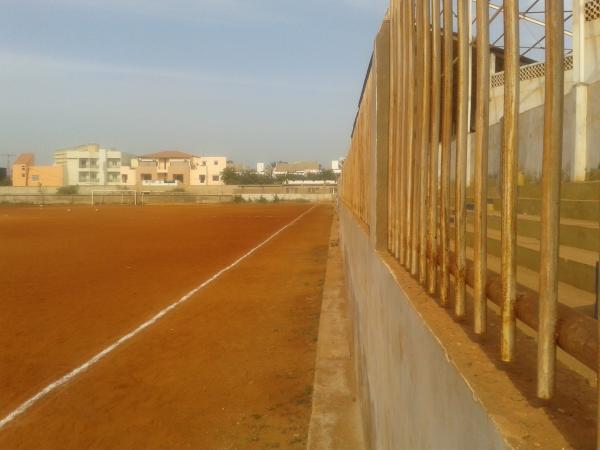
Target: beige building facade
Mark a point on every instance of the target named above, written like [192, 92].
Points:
[178, 168]
[91, 165]
[26, 173]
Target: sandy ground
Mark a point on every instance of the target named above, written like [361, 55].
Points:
[231, 368]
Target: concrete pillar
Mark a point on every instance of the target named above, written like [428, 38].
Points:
[380, 138]
[580, 85]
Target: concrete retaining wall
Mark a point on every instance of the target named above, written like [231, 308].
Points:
[153, 198]
[412, 395]
[204, 190]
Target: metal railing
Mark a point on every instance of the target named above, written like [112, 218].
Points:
[429, 126]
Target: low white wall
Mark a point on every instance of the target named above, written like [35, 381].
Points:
[307, 197]
[412, 396]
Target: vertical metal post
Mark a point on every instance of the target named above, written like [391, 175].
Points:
[425, 134]
[509, 177]
[460, 216]
[390, 202]
[446, 151]
[391, 171]
[550, 215]
[482, 121]
[408, 138]
[394, 119]
[397, 126]
[434, 141]
[416, 151]
[401, 127]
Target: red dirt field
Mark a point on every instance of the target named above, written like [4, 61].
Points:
[230, 368]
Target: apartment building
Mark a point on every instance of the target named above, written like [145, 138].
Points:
[180, 168]
[26, 173]
[90, 165]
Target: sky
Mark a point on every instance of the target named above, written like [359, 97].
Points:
[254, 80]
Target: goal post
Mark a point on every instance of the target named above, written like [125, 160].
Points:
[114, 197]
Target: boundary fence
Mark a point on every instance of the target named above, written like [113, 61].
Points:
[424, 97]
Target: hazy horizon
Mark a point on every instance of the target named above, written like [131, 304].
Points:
[254, 81]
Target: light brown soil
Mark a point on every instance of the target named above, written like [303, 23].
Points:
[231, 368]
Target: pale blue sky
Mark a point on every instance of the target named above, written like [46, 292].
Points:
[256, 80]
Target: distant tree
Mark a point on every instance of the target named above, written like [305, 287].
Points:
[231, 177]
[68, 190]
[323, 175]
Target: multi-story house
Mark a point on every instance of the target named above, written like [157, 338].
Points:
[90, 165]
[176, 167]
[26, 173]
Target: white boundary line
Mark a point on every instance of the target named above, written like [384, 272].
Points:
[82, 368]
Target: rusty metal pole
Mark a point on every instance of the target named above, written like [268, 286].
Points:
[399, 127]
[509, 177]
[434, 141]
[482, 122]
[550, 215]
[409, 142]
[402, 36]
[425, 134]
[392, 135]
[397, 122]
[417, 144]
[460, 216]
[446, 152]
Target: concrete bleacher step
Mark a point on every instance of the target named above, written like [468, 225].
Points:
[584, 234]
[577, 267]
[578, 299]
[582, 209]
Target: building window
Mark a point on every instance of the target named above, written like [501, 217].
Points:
[113, 177]
[113, 163]
[94, 163]
[215, 178]
[202, 179]
[203, 163]
[93, 177]
[146, 177]
[178, 177]
[215, 162]
[124, 178]
[35, 178]
[83, 177]
[83, 163]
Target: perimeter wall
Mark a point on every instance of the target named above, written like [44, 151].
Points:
[411, 393]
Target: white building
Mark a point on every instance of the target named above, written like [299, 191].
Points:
[335, 166]
[260, 168]
[91, 165]
[297, 168]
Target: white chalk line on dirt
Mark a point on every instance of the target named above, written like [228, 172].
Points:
[82, 368]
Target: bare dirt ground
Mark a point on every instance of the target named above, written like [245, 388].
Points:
[231, 368]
